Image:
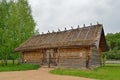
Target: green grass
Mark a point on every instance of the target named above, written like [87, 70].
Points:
[108, 72]
[20, 67]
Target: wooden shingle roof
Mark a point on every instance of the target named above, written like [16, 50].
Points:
[86, 36]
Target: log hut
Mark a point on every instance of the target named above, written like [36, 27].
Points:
[73, 48]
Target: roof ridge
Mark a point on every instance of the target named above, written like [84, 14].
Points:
[84, 27]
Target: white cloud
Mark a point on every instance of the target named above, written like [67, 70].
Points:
[54, 14]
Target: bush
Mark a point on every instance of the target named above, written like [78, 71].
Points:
[114, 54]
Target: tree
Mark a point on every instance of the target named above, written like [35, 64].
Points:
[4, 30]
[113, 41]
[16, 26]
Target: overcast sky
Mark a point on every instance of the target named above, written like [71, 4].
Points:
[54, 14]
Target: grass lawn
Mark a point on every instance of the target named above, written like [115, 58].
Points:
[108, 72]
[20, 67]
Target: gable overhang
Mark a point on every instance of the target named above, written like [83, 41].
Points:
[101, 41]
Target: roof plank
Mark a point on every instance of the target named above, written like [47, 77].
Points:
[86, 36]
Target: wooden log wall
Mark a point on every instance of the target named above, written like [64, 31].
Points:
[72, 58]
[67, 57]
[33, 57]
[95, 57]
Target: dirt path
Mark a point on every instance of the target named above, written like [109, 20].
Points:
[40, 74]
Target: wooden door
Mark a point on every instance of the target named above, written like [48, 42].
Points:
[49, 57]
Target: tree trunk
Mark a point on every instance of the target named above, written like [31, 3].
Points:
[13, 61]
[2, 62]
[6, 61]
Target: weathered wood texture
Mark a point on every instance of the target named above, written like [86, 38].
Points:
[33, 57]
[72, 58]
[95, 57]
[65, 57]
[86, 36]
[43, 57]
[50, 57]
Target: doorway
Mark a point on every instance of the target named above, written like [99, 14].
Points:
[49, 57]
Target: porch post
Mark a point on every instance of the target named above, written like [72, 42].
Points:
[49, 60]
[87, 58]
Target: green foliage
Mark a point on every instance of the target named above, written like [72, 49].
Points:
[101, 73]
[16, 67]
[113, 41]
[16, 26]
[103, 59]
